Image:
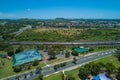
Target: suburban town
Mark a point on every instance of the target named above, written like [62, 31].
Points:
[59, 40]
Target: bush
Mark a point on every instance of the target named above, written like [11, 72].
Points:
[40, 77]
[19, 49]
[35, 62]
[38, 69]
[74, 53]
[67, 54]
[56, 66]
[17, 68]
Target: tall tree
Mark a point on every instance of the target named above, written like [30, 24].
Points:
[118, 55]
[83, 73]
[67, 54]
[10, 51]
[51, 54]
[75, 60]
[19, 49]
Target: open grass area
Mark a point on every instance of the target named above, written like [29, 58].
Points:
[103, 48]
[67, 35]
[74, 72]
[7, 69]
[110, 59]
[63, 31]
[3, 52]
[54, 77]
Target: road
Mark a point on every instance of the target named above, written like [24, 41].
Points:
[113, 43]
[46, 71]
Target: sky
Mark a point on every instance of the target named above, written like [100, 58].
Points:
[50, 9]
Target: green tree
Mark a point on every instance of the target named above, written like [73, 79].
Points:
[110, 68]
[7, 36]
[67, 54]
[10, 51]
[75, 60]
[56, 67]
[19, 49]
[39, 69]
[52, 54]
[118, 55]
[17, 68]
[40, 77]
[118, 74]
[75, 53]
[63, 76]
[83, 73]
[4, 46]
[35, 62]
[91, 49]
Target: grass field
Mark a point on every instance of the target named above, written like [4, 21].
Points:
[110, 59]
[54, 77]
[67, 35]
[7, 69]
[74, 72]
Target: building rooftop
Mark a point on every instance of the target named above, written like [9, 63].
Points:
[26, 56]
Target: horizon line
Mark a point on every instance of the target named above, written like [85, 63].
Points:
[56, 18]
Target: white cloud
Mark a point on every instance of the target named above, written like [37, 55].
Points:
[28, 9]
[7, 15]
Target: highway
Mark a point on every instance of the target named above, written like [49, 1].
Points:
[46, 71]
[113, 43]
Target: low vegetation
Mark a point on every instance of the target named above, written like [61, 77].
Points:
[66, 35]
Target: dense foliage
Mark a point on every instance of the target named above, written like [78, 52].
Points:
[118, 55]
[35, 62]
[96, 68]
[17, 68]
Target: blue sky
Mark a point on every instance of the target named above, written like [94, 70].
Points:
[43, 9]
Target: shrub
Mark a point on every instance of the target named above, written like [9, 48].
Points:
[17, 68]
[74, 53]
[67, 54]
[35, 62]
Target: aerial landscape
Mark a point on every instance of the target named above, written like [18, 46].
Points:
[59, 40]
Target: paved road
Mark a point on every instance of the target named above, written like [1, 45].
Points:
[67, 43]
[81, 61]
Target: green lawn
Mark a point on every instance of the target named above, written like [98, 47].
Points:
[54, 77]
[74, 72]
[3, 52]
[7, 69]
[110, 59]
